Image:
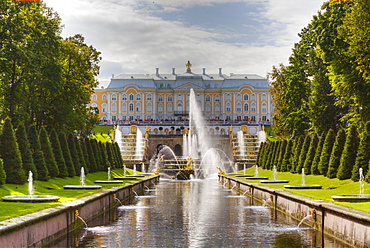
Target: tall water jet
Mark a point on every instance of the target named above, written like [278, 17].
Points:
[274, 177]
[30, 183]
[241, 144]
[82, 183]
[118, 137]
[303, 184]
[109, 180]
[139, 145]
[361, 197]
[261, 136]
[185, 152]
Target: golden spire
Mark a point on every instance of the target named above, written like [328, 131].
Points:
[188, 67]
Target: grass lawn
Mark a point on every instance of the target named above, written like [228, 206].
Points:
[330, 187]
[52, 187]
[102, 133]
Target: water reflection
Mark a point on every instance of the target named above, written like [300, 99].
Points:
[198, 213]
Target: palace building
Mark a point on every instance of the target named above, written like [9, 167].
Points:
[161, 97]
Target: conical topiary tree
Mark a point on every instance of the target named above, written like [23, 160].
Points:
[336, 154]
[316, 159]
[38, 155]
[285, 164]
[260, 154]
[91, 156]
[11, 156]
[25, 149]
[58, 154]
[80, 151]
[118, 155]
[348, 159]
[48, 153]
[67, 154]
[297, 152]
[326, 152]
[363, 154]
[283, 146]
[304, 151]
[276, 155]
[97, 154]
[310, 154]
[74, 153]
[2, 173]
[104, 155]
[109, 149]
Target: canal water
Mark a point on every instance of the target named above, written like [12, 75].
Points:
[198, 213]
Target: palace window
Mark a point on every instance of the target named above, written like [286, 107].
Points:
[124, 107]
[149, 107]
[217, 107]
[131, 97]
[124, 97]
[160, 99]
[228, 97]
[217, 98]
[239, 107]
[131, 107]
[160, 107]
[246, 97]
[169, 98]
[253, 97]
[149, 97]
[263, 97]
[138, 97]
[169, 107]
[93, 97]
[138, 107]
[104, 97]
[104, 108]
[179, 107]
[246, 107]
[264, 107]
[114, 108]
[228, 107]
[253, 107]
[94, 105]
[114, 97]
[208, 98]
[208, 107]
[238, 97]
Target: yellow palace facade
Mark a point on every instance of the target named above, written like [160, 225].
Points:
[161, 97]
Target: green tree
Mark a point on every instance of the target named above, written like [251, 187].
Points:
[48, 153]
[336, 154]
[285, 165]
[348, 159]
[91, 161]
[296, 154]
[307, 165]
[81, 157]
[104, 155]
[25, 149]
[363, 154]
[58, 154]
[67, 154]
[74, 153]
[2, 173]
[11, 156]
[38, 155]
[326, 152]
[316, 159]
[303, 153]
[281, 155]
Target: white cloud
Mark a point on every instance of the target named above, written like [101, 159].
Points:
[134, 41]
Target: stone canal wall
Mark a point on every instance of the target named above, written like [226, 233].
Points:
[41, 228]
[347, 225]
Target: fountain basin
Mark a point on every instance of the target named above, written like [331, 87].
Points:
[30, 199]
[241, 175]
[274, 181]
[109, 181]
[82, 187]
[312, 186]
[137, 175]
[257, 178]
[351, 198]
[124, 178]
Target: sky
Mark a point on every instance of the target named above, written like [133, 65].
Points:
[138, 36]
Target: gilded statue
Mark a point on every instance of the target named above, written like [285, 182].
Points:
[188, 66]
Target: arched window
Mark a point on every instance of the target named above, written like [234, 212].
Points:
[94, 105]
[94, 97]
[131, 97]
[264, 107]
[208, 98]
[124, 97]
[124, 107]
[253, 97]
[253, 107]
[246, 97]
[179, 107]
[238, 97]
[169, 107]
[114, 97]
[228, 97]
[246, 107]
[149, 97]
[149, 107]
[104, 108]
[208, 107]
[263, 97]
[138, 107]
[169, 98]
[114, 107]
[160, 98]
[217, 98]
[104, 97]
[131, 107]
[179, 97]
[160, 107]
[238, 107]
[228, 107]
[217, 107]
[138, 97]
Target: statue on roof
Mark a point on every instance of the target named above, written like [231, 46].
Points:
[188, 67]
